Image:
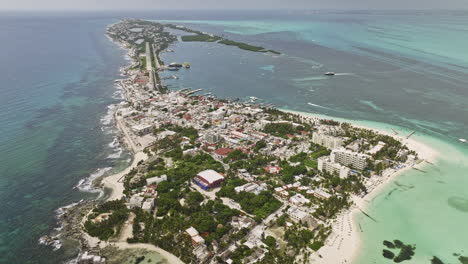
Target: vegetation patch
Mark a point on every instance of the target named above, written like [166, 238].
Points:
[200, 37]
[406, 252]
[436, 260]
[117, 214]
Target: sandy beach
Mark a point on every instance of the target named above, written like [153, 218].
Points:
[115, 183]
[343, 244]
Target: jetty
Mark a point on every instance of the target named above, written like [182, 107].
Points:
[412, 133]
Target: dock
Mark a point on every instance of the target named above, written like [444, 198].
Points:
[412, 133]
[194, 91]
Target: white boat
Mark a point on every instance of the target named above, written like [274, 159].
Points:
[462, 139]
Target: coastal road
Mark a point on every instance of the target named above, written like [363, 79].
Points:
[127, 135]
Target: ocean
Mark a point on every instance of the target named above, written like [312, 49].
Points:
[401, 70]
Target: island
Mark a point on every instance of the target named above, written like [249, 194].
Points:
[220, 181]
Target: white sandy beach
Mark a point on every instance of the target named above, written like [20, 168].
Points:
[344, 243]
[115, 183]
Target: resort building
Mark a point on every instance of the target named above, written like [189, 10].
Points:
[349, 158]
[208, 179]
[330, 142]
[302, 216]
[325, 164]
[321, 194]
[298, 199]
[376, 148]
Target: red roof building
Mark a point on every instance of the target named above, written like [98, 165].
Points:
[221, 153]
[208, 179]
[272, 169]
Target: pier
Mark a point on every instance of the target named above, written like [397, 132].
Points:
[412, 133]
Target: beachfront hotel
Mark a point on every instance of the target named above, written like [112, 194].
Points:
[330, 142]
[325, 164]
[349, 158]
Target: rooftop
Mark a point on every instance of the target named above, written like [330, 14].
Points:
[210, 176]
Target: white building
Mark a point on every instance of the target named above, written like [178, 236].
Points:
[299, 215]
[142, 129]
[298, 199]
[321, 194]
[327, 141]
[376, 148]
[250, 187]
[349, 158]
[197, 240]
[136, 201]
[148, 205]
[325, 164]
[156, 180]
[88, 258]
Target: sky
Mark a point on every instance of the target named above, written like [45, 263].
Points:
[98, 5]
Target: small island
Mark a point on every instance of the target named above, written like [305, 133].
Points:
[207, 37]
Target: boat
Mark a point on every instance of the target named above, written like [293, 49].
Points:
[462, 139]
[186, 65]
[329, 73]
[175, 65]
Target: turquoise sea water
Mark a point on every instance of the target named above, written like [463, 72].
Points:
[56, 83]
[401, 69]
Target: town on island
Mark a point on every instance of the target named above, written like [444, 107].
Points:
[221, 181]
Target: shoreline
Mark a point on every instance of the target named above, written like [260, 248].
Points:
[114, 182]
[345, 228]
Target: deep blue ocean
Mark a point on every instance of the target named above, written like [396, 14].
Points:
[57, 73]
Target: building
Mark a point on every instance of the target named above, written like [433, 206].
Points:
[325, 164]
[240, 222]
[349, 158]
[142, 129]
[136, 201]
[376, 148]
[272, 169]
[302, 216]
[208, 179]
[321, 194]
[298, 199]
[330, 142]
[88, 258]
[156, 180]
[148, 205]
[239, 135]
[195, 237]
[222, 153]
[250, 187]
[297, 214]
